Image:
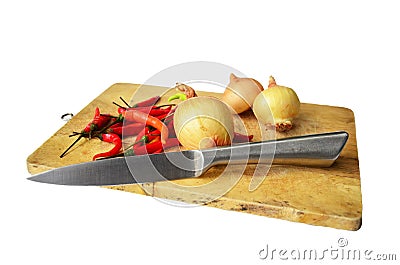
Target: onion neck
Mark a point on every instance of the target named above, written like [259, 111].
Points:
[272, 82]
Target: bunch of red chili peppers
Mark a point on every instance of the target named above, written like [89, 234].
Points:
[153, 126]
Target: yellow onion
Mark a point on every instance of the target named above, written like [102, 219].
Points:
[277, 106]
[203, 122]
[241, 92]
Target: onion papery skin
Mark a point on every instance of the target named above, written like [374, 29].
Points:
[277, 107]
[241, 92]
[203, 122]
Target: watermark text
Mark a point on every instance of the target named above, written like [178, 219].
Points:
[340, 251]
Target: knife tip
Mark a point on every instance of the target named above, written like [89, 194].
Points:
[34, 178]
[44, 177]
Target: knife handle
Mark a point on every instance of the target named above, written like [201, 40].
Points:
[318, 150]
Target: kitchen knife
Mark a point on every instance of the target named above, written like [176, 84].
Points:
[320, 150]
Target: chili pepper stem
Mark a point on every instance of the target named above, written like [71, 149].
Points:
[141, 140]
[126, 103]
[117, 119]
[75, 134]
[63, 154]
[116, 104]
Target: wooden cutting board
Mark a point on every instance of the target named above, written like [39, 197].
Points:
[318, 196]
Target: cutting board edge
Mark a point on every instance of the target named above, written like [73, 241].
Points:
[283, 212]
[289, 214]
[262, 210]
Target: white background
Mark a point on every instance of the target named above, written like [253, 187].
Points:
[56, 56]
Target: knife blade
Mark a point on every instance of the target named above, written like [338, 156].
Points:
[320, 150]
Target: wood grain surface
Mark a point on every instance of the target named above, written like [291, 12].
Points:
[328, 197]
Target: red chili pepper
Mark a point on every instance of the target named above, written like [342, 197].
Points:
[169, 117]
[147, 102]
[110, 138]
[158, 151]
[121, 110]
[87, 129]
[162, 116]
[142, 133]
[126, 130]
[132, 129]
[160, 111]
[147, 148]
[117, 124]
[153, 139]
[100, 121]
[151, 136]
[151, 110]
[241, 138]
[145, 137]
[171, 129]
[154, 146]
[137, 116]
[97, 123]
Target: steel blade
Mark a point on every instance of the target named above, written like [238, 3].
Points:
[310, 150]
[126, 170]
